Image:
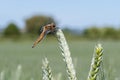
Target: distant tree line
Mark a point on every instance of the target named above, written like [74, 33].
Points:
[12, 31]
[106, 32]
[34, 23]
[32, 27]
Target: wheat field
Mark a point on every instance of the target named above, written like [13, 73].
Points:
[17, 53]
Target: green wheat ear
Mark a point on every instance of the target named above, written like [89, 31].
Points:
[96, 63]
[46, 70]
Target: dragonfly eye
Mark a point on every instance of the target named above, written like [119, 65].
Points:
[53, 26]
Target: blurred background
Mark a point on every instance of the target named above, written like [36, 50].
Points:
[84, 24]
[84, 19]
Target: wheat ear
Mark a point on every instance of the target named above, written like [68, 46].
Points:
[16, 75]
[2, 75]
[46, 70]
[66, 54]
[96, 62]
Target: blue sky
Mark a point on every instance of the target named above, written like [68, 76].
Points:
[71, 13]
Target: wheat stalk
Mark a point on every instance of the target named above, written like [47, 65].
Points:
[66, 54]
[46, 70]
[96, 62]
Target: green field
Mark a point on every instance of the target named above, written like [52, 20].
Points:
[14, 53]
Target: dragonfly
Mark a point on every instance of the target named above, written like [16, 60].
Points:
[49, 28]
